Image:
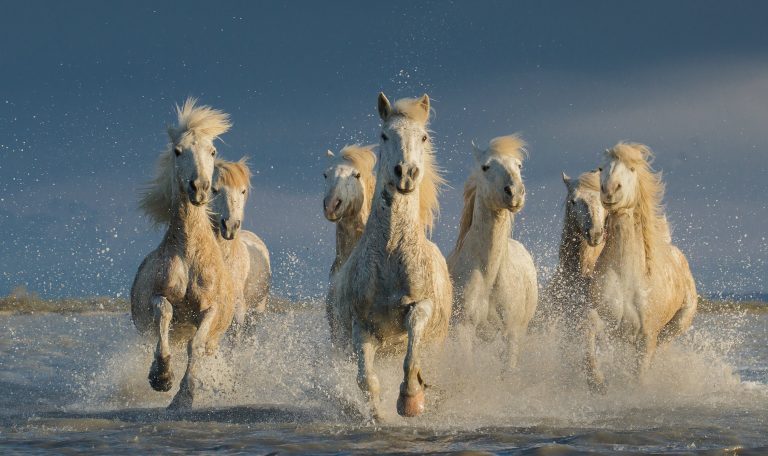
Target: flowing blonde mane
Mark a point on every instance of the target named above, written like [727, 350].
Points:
[505, 146]
[433, 180]
[649, 211]
[363, 159]
[234, 174]
[201, 121]
[590, 181]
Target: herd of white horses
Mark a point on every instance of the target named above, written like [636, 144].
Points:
[391, 290]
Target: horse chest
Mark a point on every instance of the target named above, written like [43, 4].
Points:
[622, 299]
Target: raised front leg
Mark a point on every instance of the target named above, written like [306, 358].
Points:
[196, 349]
[365, 345]
[411, 400]
[595, 378]
[160, 375]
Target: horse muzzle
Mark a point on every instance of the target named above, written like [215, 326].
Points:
[331, 209]
[229, 229]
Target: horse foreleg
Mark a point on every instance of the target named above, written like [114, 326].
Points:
[512, 336]
[646, 347]
[365, 346]
[160, 375]
[595, 378]
[411, 399]
[196, 349]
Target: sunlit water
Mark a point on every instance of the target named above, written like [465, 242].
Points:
[78, 384]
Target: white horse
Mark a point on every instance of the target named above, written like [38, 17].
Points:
[244, 252]
[494, 275]
[394, 291]
[349, 185]
[580, 244]
[642, 291]
[184, 283]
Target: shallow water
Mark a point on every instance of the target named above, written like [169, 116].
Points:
[78, 384]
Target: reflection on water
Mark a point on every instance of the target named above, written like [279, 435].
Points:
[79, 382]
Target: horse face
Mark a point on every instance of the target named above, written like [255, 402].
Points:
[588, 212]
[618, 186]
[343, 192]
[501, 182]
[227, 208]
[403, 146]
[193, 168]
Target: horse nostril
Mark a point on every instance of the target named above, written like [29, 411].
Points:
[192, 185]
[414, 172]
[237, 225]
[337, 205]
[398, 171]
[508, 190]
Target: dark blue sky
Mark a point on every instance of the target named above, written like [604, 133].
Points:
[86, 90]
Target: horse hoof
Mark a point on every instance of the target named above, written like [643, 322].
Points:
[182, 401]
[410, 406]
[160, 376]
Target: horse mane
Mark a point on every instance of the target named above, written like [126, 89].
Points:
[202, 121]
[433, 180]
[590, 181]
[234, 174]
[508, 146]
[649, 210]
[363, 159]
[505, 146]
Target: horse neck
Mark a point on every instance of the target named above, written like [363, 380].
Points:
[190, 226]
[576, 256]
[227, 246]
[624, 242]
[490, 232]
[394, 222]
[348, 233]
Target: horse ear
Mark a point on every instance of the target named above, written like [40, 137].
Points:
[477, 152]
[566, 179]
[329, 154]
[385, 108]
[424, 103]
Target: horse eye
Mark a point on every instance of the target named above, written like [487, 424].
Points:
[424, 138]
[384, 137]
[600, 169]
[213, 153]
[485, 167]
[243, 192]
[215, 190]
[177, 150]
[632, 169]
[357, 176]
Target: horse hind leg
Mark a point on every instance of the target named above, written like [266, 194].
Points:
[196, 349]
[160, 374]
[411, 400]
[365, 345]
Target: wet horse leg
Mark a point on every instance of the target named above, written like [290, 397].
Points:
[365, 345]
[595, 378]
[160, 375]
[411, 400]
[196, 349]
